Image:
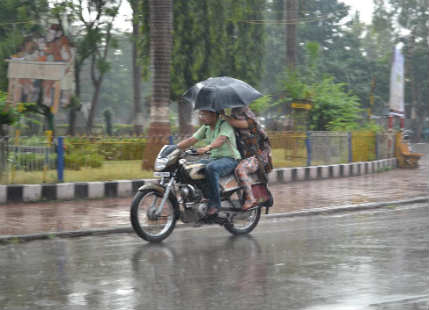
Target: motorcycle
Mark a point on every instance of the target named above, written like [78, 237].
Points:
[181, 194]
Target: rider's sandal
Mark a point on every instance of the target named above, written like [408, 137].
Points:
[210, 209]
[249, 205]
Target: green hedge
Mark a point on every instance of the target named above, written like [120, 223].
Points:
[92, 151]
[82, 156]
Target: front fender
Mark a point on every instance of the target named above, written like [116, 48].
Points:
[152, 185]
[161, 189]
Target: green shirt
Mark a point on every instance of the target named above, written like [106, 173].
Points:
[222, 128]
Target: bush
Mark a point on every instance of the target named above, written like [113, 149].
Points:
[123, 129]
[82, 155]
[91, 151]
[8, 113]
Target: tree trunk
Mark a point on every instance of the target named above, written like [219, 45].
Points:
[137, 72]
[93, 109]
[291, 13]
[426, 113]
[97, 80]
[72, 114]
[185, 118]
[161, 20]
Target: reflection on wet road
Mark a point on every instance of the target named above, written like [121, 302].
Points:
[368, 260]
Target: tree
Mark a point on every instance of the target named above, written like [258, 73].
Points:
[291, 14]
[91, 33]
[92, 25]
[348, 63]
[274, 56]
[136, 6]
[412, 16]
[213, 38]
[316, 21]
[333, 108]
[377, 44]
[8, 113]
[161, 20]
[103, 35]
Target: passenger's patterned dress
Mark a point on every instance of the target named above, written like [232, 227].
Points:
[250, 164]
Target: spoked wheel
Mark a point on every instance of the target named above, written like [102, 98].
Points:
[243, 222]
[149, 225]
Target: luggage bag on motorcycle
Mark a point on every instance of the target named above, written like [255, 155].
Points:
[262, 195]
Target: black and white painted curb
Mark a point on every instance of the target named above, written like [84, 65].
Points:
[7, 239]
[68, 191]
[287, 175]
[127, 188]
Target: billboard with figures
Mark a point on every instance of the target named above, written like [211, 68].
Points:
[43, 69]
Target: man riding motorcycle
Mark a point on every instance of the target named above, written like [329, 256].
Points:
[221, 143]
[205, 191]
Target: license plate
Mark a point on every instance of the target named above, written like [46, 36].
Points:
[161, 174]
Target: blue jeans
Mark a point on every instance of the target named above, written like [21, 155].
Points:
[218, 168]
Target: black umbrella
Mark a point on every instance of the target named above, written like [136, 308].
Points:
[216, 94]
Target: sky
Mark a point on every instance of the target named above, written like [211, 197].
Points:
[364, 7]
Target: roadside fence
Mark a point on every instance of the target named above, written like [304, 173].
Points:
[37, 155]
[19, 155]
[3, 157]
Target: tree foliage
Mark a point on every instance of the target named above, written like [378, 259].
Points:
[8, 114]
[92, 36]
[245, 39]
[333, 107]
[213, 38]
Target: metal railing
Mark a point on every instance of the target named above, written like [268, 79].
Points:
[4, 142]
[329, 148]
[22, 158]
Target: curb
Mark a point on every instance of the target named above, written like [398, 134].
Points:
[69, 191]
[348, 208]
[127, 188]
[7, 239]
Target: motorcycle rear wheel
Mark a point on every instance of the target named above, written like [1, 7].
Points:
[148, 225]
[250, 220]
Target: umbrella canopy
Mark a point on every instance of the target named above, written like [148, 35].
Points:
[216, 94]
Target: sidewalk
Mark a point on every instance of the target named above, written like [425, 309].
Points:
[52, 217]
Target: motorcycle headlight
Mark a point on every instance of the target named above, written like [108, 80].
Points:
[161, 164]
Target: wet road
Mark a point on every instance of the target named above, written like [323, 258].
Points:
[397, 184]
[367, 260]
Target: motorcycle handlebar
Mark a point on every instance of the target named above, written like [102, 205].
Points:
[193, 152]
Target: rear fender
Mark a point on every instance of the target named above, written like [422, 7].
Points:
[161, 189]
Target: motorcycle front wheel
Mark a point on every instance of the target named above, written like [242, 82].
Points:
[146, 223]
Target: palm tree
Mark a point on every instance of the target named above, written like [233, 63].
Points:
[161, 25]
[137, 72]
